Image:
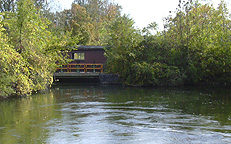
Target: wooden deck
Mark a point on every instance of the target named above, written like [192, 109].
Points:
[81, 68]
[78, 71]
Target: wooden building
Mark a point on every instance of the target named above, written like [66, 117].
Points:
[87, 65]
[86, 59]
[88, 55]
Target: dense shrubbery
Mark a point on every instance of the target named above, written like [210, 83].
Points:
[194, 48]
[14, 72]
[28, 51]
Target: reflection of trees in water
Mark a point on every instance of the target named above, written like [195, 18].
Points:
[24, 120]
[78, 94]
[205, 101]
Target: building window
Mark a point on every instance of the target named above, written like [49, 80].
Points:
[78, 56]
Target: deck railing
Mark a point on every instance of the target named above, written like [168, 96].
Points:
[81, 68]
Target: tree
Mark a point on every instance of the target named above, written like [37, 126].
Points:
[29, 57]
[121, 39]
[199, 42]
[194, 48]
[80, 23]
[135, 58]
[11, 5]
[14, 75]
[100, 13]
[8, 5]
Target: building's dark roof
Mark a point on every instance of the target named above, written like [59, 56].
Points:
[90, 48]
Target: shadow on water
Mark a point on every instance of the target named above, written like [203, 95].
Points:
[94, 113]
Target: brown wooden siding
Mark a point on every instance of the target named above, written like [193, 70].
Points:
[91, 56]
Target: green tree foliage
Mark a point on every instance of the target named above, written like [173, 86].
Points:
[29, 51]
[122, 39]
[30, 38]
[199, 40]
[86, 19]
[8, 5]
[80, 23]
[14, 75]
[134, 57]
[194, 48]
[11, 5]
[101, 13]
[100, 10]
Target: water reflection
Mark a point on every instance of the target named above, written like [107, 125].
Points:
[23, 120]
[111, 114]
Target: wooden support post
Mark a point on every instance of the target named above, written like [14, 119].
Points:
[78, 66]
[101, 68]
[93, 66]
[68, 70]
[85, 68]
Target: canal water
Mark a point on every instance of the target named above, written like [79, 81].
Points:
[96, 114]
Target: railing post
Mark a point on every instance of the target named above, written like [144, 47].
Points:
[85, 68]
[101, 68]
[61, 69]
[78, 66]
[93, 66]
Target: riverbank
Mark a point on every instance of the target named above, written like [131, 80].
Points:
[114, 80]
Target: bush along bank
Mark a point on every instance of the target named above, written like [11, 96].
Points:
[194, 48]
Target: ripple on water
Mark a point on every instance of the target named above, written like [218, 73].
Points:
[102, 122]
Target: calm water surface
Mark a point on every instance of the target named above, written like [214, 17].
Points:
[96, 114]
